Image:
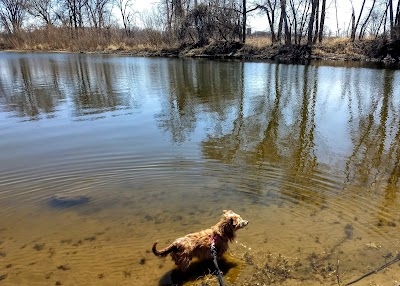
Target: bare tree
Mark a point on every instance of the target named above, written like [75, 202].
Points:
[41, 9]
[270, 8]
[97, 12]
[216, 20]
[12, 14]
[195, 21]
[284, 20]
[375, 23]
[245, 11]
[244, 20]
[378, 20]
[152, 19]
[364, 25]
[294, 9]
[74, 10]
[322, 22]
[316, 21]
[337, 20]
[168, 16]
[311, 21]
[127, 13]
[175, 15]
[355, 24]
[303, 20]
[201, 24]
[394, 18]
[178, 17]
[390, 2]
[299, 14]
[397, 21]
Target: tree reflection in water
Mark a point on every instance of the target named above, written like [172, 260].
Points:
[301, 138]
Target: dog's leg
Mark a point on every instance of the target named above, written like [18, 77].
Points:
[182, 260]
[184, 263]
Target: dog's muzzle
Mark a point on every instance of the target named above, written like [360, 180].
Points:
[243, 223]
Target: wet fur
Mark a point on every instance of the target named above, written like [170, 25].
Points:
[198, 244]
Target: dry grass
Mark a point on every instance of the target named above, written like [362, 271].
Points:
[334, 41]
[88, 40]
[338, 48]
[152, 42]
[259, 42]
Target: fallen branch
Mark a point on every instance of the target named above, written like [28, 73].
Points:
[337, 272]
[397, 258]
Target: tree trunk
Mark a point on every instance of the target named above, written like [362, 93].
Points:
[311, 23]
[295, 28]
[280, 25]
[272, 23]
[354, 26]
[244, 15]
[337, 21]
[322, 23]
[288, 40]
[169, 22]
[316, 21]
[391, 19]
[364, 25]
[303, 20]
[397, 22]
[271, 18]
[383, 21]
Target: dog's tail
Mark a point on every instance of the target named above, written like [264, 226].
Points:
[163, 252]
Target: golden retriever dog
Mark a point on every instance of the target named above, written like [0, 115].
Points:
[198, 244]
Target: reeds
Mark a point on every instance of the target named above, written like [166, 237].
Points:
[150, 41]
[259, 41]
[87, 40]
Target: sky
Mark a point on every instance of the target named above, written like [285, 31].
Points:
[258, 21]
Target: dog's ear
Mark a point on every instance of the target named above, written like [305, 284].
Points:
[233, 221]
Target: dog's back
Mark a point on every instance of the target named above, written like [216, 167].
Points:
[198, 244]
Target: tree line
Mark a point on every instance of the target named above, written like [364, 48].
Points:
[291, 22]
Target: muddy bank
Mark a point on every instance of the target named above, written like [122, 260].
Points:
[331, 49]
[377, 51]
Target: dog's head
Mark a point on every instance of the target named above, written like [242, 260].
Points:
[235, 220]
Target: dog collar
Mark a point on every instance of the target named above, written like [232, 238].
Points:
[215, 237]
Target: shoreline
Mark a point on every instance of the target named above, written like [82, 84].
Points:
[375, 51]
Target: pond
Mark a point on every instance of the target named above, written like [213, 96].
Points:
[158, 148]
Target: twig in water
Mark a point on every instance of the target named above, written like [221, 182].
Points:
[337, 273]
[397, 258]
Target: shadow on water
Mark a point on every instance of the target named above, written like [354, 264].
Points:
[195, 271]
[67, 201]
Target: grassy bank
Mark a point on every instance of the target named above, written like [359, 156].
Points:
[154, 43]
[84, 40]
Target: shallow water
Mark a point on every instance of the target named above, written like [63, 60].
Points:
[309, 154]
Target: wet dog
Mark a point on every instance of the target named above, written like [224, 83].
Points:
[198, 244]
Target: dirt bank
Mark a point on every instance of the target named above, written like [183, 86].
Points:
[339, 49]
[256, 48]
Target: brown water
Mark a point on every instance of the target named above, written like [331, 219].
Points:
[309, 154]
